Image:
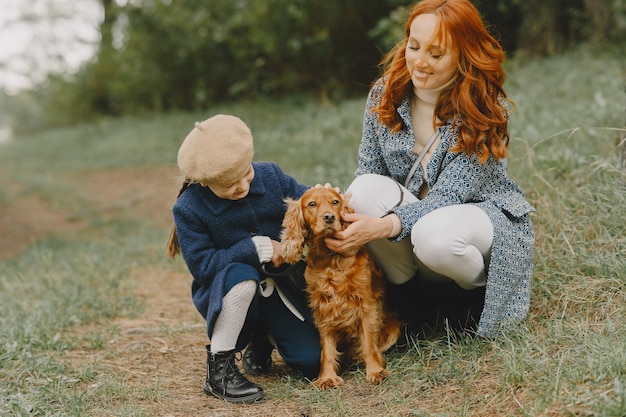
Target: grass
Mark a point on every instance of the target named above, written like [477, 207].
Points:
[568, 358]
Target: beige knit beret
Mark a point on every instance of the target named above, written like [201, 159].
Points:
[217, 150]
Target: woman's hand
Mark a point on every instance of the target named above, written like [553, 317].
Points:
[327, 185]
[362, 229]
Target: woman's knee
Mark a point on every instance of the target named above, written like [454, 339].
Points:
[451, 249]
[450, 229]
[374, 194]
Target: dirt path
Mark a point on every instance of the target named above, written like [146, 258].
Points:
[160, 355]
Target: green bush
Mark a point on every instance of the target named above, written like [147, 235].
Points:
[190, 54]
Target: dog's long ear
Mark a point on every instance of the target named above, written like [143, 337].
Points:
[293, 233]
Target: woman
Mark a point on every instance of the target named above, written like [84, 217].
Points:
[433, 199]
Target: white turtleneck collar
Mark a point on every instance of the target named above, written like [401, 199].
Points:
[431, 96]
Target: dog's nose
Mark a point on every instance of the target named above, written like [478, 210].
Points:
[329, 218]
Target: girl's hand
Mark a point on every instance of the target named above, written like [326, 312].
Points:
[277, 257]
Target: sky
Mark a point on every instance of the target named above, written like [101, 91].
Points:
[39, 36]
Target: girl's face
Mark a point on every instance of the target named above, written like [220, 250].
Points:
[431, 65]
[235, 190]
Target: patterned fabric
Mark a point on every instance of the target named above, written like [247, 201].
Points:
[458, 178]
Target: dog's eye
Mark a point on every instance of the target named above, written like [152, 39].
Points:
[312, 204]
[335, 202]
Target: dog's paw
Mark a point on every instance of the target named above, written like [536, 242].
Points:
[291, 250]
[328, 382]
[377, 377]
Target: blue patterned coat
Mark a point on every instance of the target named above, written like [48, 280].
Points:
[214, 233]
[457, 178]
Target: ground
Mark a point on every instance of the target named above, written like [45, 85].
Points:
[164, 347]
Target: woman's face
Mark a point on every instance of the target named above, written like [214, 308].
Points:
[431, 65]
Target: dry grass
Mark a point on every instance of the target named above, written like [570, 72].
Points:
[95, 321]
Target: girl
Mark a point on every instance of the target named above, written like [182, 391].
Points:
[228, 219]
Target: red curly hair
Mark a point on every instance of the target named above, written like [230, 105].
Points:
[476, 101]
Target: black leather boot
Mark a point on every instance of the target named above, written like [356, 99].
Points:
[225, 381]
[257, 359]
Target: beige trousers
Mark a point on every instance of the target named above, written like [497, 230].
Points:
[449, 243]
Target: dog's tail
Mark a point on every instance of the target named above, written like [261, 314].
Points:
[390, 332]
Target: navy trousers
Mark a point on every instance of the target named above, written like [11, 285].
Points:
[297, 341]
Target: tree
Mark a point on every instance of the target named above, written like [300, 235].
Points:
[162, 55]
[188, 53]
[103, 68]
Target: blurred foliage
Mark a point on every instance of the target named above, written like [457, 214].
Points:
[191, 53]
[164, 55]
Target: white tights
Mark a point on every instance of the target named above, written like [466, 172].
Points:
[452, 242]
[231, 319]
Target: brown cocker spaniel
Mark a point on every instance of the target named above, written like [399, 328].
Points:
[346, 290]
